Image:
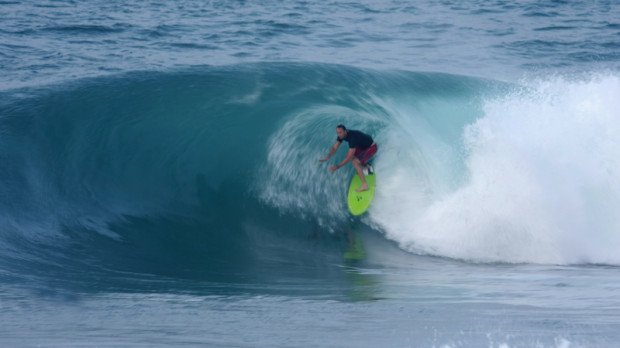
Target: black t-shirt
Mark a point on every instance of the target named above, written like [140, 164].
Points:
[357, 139]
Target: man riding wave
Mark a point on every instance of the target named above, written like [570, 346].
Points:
[361, 149]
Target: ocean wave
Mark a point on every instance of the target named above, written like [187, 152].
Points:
[228, 157]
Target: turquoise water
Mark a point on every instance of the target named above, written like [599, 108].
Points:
[160, 183]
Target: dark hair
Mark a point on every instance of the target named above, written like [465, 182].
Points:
[341, 126]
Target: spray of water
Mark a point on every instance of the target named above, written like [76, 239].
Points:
[541, 183]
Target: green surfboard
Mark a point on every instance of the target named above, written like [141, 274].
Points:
[359, 202]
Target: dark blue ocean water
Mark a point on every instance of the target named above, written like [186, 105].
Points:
[160, 182]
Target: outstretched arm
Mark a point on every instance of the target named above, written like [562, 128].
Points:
[332, 151]
[350, 155]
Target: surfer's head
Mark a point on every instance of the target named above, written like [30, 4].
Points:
[341, 130]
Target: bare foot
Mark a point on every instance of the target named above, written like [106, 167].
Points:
[363, 187]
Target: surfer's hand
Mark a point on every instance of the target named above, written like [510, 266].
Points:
[323, 160]
[333, 168]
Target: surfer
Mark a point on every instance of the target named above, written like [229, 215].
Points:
[361, 150]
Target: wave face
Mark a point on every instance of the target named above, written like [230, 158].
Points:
[162, 173]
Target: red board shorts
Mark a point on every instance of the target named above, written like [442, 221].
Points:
[364, 155]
